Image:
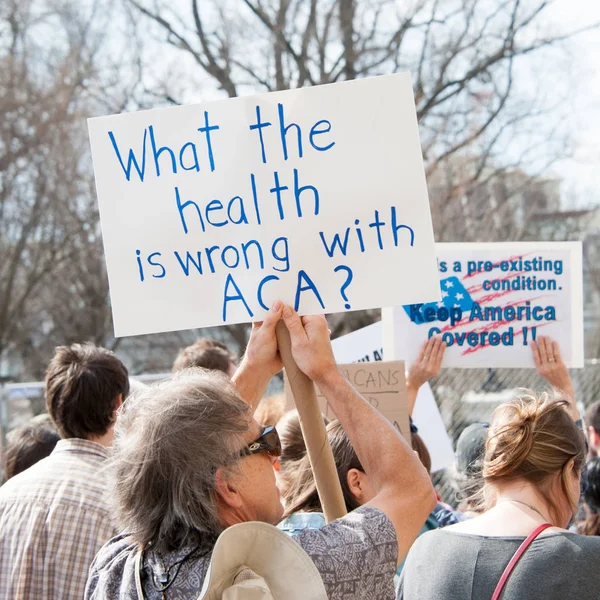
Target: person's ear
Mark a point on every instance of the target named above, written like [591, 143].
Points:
[226, 490]
[594, 438]
[354, 479]
[572, 480]
[118, 404]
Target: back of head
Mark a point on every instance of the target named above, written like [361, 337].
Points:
[169, 441]
[467, 477]
[592, 492]
[470, 449]
[83, 384]
[293, 462]
[533, 439]
[590, 525]
[418, 445]
[293, 446]
[270, 410]
[206, 353]
[592, 415]
[28, 444]
[301, 495]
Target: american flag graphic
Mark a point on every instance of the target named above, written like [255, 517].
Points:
[462, 291]
[454, 295]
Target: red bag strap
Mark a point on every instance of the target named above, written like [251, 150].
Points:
[517, 556]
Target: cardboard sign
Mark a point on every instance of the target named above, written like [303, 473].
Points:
[365, 345]
[212, 212]
[496, 299]
[383, 384]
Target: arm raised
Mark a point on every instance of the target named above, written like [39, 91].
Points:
[261, 360]
[550, 365]
[403, 488]
[427, 365]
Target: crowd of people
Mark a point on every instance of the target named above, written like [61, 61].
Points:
[197, 487]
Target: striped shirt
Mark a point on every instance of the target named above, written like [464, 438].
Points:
[53, 520]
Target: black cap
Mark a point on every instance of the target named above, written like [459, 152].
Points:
[470, 448]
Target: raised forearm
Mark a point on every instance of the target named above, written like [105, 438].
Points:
[251, 382]
[382, 450]
[411, 394]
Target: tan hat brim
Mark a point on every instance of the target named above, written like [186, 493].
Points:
[288, 570]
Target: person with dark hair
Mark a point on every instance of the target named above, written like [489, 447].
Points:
[53, 516]
[468, 464]
[293, 450]
[298, 487]
[592, 424]
[443, 514]
[206, 353]
[590, 523]
[293, 446]
[300, 497]
[418, 445]
[28, 444]
[190, 461]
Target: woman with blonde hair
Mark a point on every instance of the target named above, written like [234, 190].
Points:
[519, 547]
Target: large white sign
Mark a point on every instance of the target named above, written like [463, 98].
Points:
[496, 299]
[365, 345]
[313, 196]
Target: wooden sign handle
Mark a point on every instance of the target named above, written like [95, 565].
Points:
[313, 429]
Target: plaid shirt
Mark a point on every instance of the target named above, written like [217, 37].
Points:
[53, 520]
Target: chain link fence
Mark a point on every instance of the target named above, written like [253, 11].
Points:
[464, 396]
[467, 396]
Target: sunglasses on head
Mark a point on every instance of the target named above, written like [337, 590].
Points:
[268, 441]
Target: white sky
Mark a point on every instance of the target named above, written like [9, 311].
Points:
[581, 174]
[575, 75]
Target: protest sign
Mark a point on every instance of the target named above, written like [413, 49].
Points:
[212, 212]
[362, 345]
[428, 418]
[496, 299]
[383, 384]
[365, 345]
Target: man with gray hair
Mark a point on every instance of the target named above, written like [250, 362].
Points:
[190, 461]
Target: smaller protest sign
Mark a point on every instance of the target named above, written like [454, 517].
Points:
[496, 299]
[364, 345]
[382, 384]
[428, 418]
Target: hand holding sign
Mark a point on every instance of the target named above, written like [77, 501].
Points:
[262, 346]
[305, 348]
[496, 299]
[290, 196]
[311, 346]
[286, 196]
[550, 366]
[427, 365]
[261, 360]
